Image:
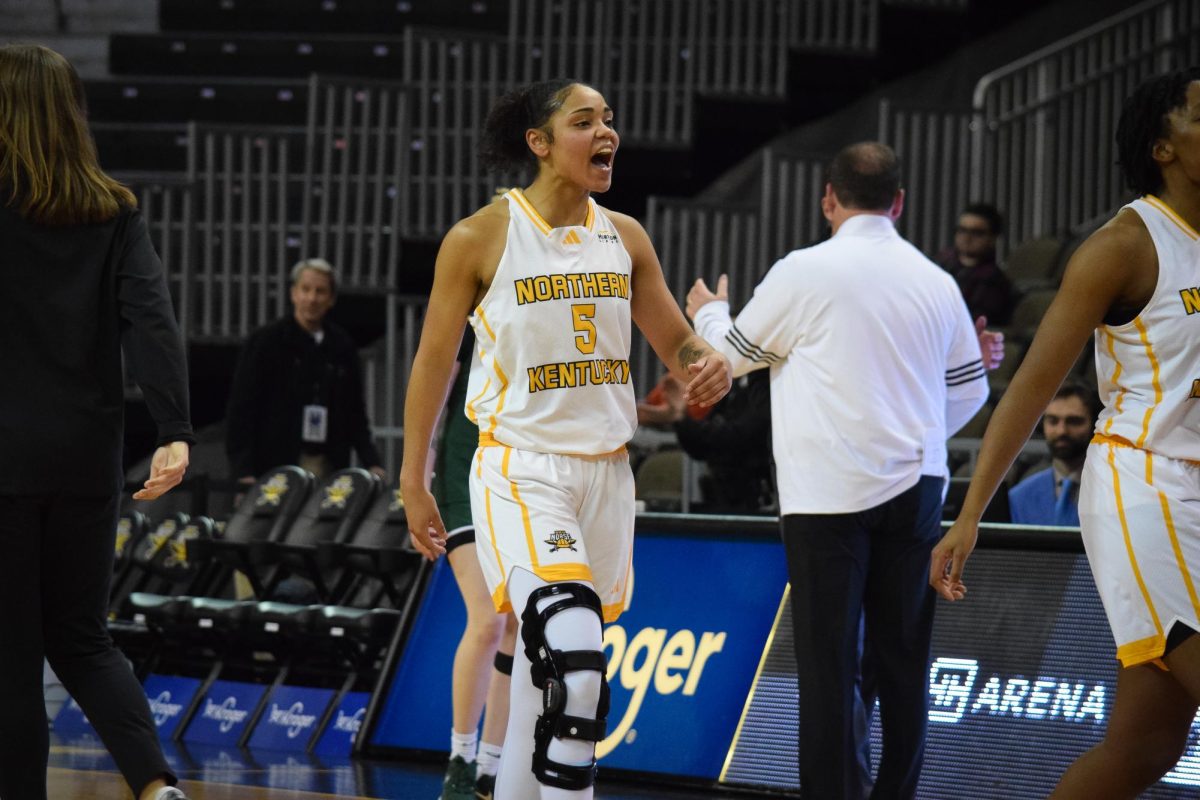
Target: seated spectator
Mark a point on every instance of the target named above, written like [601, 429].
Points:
[734, 441]
[972, 262]
[1050, 497]
[297, 395]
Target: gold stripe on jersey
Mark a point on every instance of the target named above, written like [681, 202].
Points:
[487, 504]
[1158, 393]
[488, 440]
[1170, 214]
[1133, 563]
[516, 496]
[1143, 650]
[1116, 377]
[495, 367]
[531, 212]
[1175, 546]
[543, 225]
[1121, 441]
[487, 384]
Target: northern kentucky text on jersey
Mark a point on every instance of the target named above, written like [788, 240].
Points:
[572, 374]
[571, 286]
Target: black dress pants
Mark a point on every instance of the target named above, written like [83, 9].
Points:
[56, 560]
[870, 567]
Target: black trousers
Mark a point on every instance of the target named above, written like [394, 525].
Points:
[56, 557]
[870, 567]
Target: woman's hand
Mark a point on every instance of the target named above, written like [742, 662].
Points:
[950, 556]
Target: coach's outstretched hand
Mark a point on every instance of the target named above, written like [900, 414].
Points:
[166, 470]
[700, 295]
[950, 556]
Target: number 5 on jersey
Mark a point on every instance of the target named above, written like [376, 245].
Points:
[585, 329]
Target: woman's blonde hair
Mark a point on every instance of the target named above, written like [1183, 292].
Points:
[48, 164]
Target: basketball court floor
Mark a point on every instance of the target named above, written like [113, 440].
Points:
[80, 769]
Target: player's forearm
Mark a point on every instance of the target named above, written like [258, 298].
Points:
[427, 388]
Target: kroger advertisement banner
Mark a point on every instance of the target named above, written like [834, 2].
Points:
[224, 713]
[338, 737]
[680, 661]
[169, 696]
[290, 718]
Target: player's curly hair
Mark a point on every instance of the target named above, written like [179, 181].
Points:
[503, 147]
[1143, 122]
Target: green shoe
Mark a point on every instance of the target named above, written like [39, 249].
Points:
[485, 786]
[459, 783]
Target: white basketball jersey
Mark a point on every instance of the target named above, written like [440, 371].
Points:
[551, 373]
[1148, 370]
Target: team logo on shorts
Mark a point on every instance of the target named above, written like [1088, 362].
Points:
[561, 540]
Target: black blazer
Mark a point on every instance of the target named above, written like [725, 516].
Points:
[280, 370]
[70, 298]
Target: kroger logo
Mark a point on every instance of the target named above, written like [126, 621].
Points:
[293, 718]
[228, 714]
[349, 723]
[163, 710]
[652, 659]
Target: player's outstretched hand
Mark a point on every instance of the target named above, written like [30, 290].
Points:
[700, 295]
[711, 378]
[949, 557]
[425, 523]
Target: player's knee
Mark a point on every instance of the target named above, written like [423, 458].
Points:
[568, 666]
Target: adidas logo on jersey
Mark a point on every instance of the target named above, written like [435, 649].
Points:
[572, 238]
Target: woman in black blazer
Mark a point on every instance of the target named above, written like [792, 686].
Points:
[79, 280]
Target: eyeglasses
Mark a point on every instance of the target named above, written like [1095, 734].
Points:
[969, 231]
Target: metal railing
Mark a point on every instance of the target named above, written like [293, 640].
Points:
[1043, 126]
[792, 186]
[166, 205]
[695, 239]
[354, 178]
[934, 146]
[651, 57]
[246, 236]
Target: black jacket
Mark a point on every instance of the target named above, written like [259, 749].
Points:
[70, 298]
[282, 369]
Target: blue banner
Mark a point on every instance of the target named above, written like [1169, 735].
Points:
[224, 713]
[338, 736]
[680, 661]
[290, 718]
[169, 697]
[71, 720]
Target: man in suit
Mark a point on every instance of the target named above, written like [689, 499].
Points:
[1050, 497]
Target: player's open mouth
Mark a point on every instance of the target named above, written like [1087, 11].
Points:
[603, 158]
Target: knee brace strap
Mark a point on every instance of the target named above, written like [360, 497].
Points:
[548, 667]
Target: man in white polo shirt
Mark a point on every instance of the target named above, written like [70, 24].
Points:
[874, 364]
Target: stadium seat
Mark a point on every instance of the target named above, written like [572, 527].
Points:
[265, 514]
[380, 563]
[1032, 264]
[659, 481]
[331, 515]
[1028, 314]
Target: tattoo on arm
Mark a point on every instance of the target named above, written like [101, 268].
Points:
[689, 354]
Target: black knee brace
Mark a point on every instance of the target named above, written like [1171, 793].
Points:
[548, 668]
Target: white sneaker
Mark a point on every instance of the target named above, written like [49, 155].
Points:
[170, 793]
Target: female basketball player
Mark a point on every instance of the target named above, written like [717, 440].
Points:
[80, 279]
[551, 282]
[1133, 283]
[483, 659]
